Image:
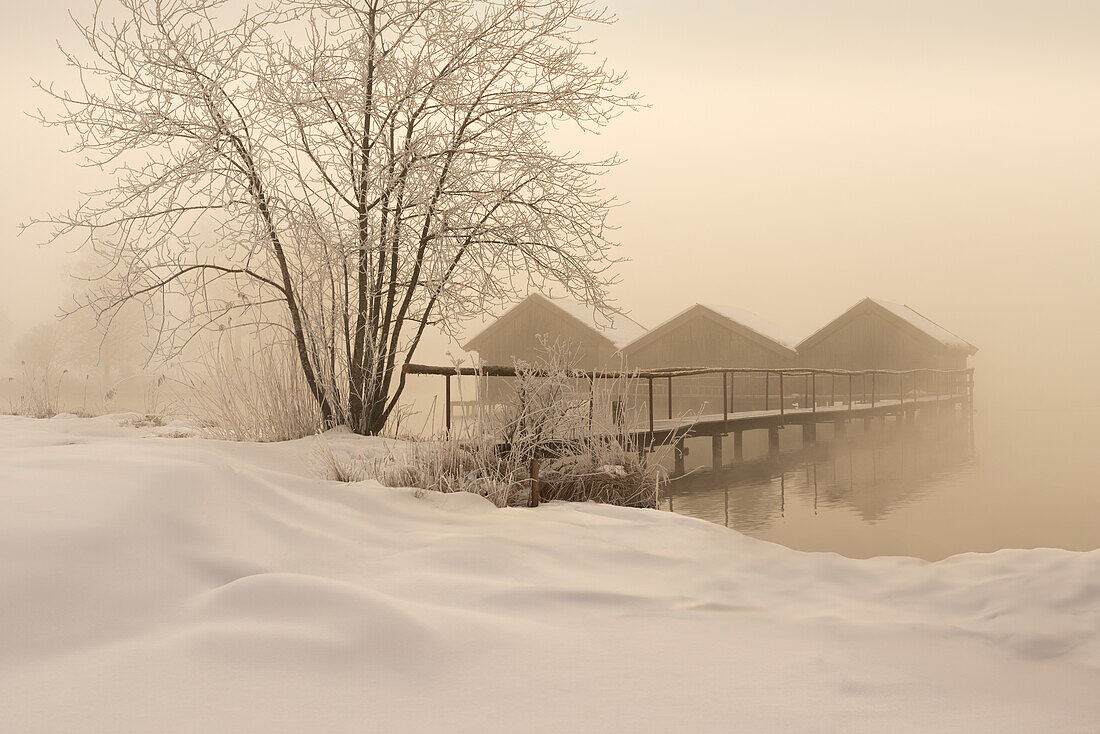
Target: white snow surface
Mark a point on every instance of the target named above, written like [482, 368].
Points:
[156, 584]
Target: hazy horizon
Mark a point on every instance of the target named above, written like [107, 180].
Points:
[794, 158]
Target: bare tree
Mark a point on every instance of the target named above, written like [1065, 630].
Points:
[350, 172]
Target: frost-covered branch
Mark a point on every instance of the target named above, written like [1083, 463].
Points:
[380, 166]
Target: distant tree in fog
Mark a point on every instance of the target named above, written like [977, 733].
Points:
[41, 349]
[350, 173]
[88, 351]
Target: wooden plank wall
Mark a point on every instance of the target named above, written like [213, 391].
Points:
[869, 341]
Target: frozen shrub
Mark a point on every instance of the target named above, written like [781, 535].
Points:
[576, 428]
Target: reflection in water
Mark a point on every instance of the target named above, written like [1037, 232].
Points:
[818, 498]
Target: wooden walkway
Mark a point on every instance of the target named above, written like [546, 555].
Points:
[937, 390]
[717, 426]
[711, 424]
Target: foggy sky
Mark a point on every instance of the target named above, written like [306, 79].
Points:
[796, 156]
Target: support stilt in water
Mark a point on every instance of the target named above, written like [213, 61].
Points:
[738, 446]
[809, 434]
[716, 452]
[679, 454]
[773, 442]
[840, 429]
[970, 406]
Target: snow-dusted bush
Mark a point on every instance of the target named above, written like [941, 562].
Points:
[567, 423]
[438, 466]
[338, 467]
[578, 429]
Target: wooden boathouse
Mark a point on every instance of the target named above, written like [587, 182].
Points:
[880, 335]
[712, 335]
[596, 339]
[709, 335]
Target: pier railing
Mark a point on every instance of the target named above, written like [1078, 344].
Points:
[885, 385]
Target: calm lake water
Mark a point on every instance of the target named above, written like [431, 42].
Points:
[1023, 479]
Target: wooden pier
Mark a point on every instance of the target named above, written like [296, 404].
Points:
[718, 426]
[903, 394]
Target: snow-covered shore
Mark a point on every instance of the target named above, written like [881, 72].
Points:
[160, 584]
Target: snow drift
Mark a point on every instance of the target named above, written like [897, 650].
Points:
[182, 585]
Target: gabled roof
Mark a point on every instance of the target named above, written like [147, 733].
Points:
[744, 322]
[906, 315]
[618, 330]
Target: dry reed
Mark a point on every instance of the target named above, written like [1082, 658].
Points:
[258, 394]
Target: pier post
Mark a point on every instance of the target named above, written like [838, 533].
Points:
[535, 498]
[840, 429]
[447, 397]
[773, 442]
[809, 434]
[679, 453]
[738, 446]
[591, 401]
[782, 406]
[716, 452]
[725, 406]
[651, 409]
